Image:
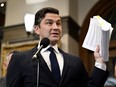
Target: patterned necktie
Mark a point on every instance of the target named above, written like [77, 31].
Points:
[54, 64]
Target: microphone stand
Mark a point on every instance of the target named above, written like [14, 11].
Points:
[37, 72]
[37, 59]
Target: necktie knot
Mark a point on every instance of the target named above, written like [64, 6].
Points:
[51, 49]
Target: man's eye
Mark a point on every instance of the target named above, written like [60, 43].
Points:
[59, 23]
[49, 22]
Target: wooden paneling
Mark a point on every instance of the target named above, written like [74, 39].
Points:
[6, 48]
[112, 49]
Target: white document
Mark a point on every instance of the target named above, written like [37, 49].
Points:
[99, 33]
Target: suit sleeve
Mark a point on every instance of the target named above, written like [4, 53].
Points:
[98, 77]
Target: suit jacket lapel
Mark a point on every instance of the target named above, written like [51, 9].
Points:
[66, 66]
[43, 63]
[41, 60]
[44, 66]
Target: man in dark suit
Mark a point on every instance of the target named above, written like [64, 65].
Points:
[24, 72]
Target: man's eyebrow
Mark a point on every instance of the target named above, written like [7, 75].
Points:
[53, 20]
[48, 19]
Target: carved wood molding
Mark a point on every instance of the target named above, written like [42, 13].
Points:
[6, 48]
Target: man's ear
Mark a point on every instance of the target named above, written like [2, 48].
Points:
[37, 30]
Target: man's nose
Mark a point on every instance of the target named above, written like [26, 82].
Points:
[55, 26]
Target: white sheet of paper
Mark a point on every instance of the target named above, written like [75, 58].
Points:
[99, 33]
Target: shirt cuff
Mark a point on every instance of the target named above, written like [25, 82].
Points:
[101, 66]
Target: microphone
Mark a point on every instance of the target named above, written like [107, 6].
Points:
[44, 43]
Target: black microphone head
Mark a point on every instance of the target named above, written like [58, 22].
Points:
[45, 42]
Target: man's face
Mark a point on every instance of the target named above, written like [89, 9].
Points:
[51, 27]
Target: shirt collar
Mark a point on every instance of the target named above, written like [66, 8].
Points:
[45, 49]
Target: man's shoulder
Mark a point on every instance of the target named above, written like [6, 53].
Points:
[26, 53]
[69, 55]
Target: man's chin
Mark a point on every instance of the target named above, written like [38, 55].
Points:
[54, 40]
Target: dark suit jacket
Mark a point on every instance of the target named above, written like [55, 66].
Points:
[22, 72]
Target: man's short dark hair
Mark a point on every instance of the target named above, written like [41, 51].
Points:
[42, 12]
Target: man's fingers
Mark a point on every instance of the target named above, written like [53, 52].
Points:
[97, 49]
